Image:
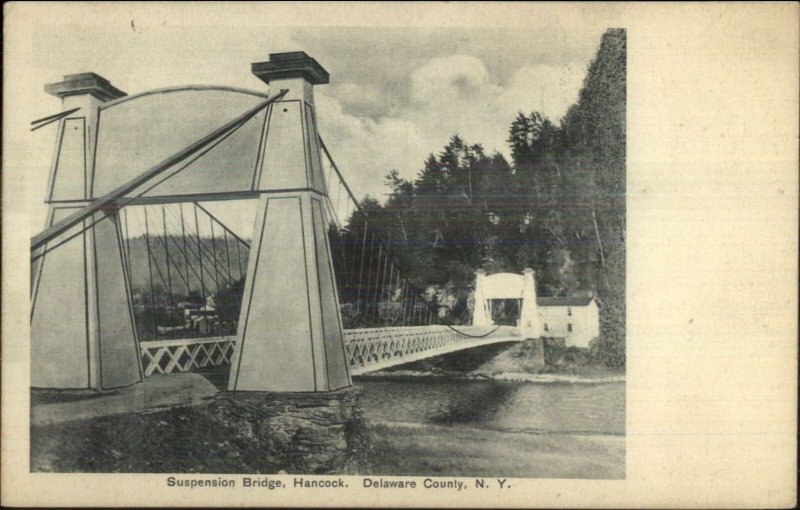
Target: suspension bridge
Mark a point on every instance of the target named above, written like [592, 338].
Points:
[135, 275]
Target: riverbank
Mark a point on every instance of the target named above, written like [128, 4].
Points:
[537, 361]
[441, 426]
[541, 378]
[435, 450]
[115, 432]
[449, 419]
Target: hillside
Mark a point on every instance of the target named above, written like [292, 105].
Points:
[558, 206]
[225, 271]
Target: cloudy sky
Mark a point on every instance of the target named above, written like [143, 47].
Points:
[398, 95]
[395, 96]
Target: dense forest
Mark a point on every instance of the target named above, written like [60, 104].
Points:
[558, 206]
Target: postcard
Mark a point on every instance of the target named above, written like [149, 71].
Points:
[409, 255]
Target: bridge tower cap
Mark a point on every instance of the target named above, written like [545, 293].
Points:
[480, 271]
[527, 270]
[293, 64]
[84, 83]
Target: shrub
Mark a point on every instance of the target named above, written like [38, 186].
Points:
[608, 350]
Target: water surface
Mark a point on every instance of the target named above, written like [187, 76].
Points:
[499, 405]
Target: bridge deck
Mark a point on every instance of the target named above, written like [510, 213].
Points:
[367, 349]
[371, 350]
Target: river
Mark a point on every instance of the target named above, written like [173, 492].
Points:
[486, 427]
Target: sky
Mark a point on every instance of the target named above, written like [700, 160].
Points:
[395, 96]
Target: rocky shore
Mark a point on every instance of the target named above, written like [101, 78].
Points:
[228, 433]
[503, 376]
[540, 360]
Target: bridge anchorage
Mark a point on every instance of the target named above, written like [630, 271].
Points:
[134, 275]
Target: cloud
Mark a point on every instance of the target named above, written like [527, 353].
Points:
[460, 77]
[449, 95]
[362, 100]
[550, 89]
[365, 149]
[396, 95]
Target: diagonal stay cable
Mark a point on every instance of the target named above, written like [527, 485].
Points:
[359, 209]
[117, 197]
[225, 227]
[170, 259]
[202, 249]
[152, 258]
[190, 265]
[44, 121]
[214, 260]
[366, 216]
[184, 249]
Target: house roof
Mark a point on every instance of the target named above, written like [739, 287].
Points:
[564, 301]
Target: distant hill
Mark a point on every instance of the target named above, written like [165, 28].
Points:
[225, 271]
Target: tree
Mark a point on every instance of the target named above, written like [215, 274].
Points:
[557, 207]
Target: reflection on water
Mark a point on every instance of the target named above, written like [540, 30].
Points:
[499, 405]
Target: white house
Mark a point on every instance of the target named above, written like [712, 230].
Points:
[576, 319]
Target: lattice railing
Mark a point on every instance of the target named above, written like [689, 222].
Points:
[370, 346]
[185, 354]
[364, 347]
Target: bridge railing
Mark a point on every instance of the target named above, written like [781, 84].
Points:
[371, 349]
[178, 266]
[185, 354]
[365, 348]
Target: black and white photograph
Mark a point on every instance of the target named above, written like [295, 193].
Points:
[305, 256]
[214, 292]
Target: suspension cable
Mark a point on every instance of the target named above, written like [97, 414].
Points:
[469, 335]
[358, 208]
[118, 196]
[218, 222]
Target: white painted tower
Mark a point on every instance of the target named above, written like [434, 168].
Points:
[528, 321]
[83, 333]
[507, 286]
[480, 313]
[290, 332]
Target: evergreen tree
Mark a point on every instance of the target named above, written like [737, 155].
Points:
[558, 207]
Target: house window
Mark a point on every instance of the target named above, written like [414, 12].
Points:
[546, 327]
[569, 312]
[569, 328]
